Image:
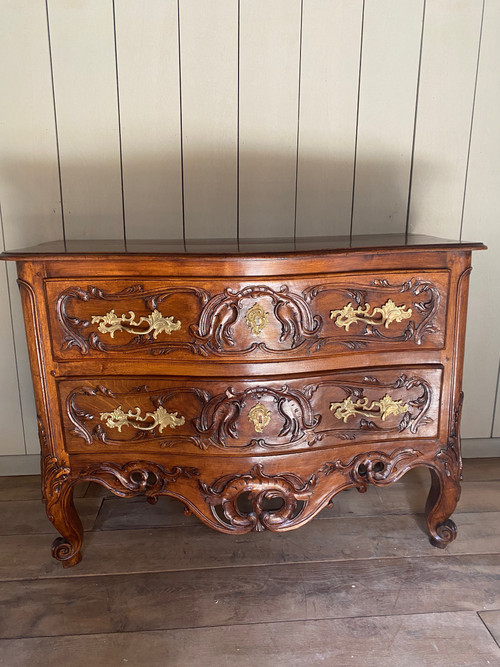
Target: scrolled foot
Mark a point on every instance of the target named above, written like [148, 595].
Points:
[64, 551]
[443, 534]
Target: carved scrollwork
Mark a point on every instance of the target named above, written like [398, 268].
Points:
[136, 477]
[450, 456]
[214, 328]
[55, 475]
[374, 467]
[292, 490]
[212, 332]
[118, 418]
[380, 318]
[73, 327]
[219, 417]
[414, 410]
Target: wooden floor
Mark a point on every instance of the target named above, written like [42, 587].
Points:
[359, 585]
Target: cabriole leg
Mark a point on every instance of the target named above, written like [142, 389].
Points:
[58, 497]
[441, 503]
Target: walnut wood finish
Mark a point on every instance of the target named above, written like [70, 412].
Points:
[252, 385]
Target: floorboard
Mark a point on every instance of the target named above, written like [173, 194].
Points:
[26, 517]
[492, 621]
[425, 640]
[234, 596]
[360, 584]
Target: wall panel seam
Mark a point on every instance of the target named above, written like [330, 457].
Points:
[181, 123]
[495, 401]
[471, 121]
[119, 124]
[412, 155]
[56, 129]
[238, 129]
[13, 339]
[357, 116]
[298, 121]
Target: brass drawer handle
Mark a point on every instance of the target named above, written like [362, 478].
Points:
[382, 409]
[118, 419]
[110, 323]
[389, 312]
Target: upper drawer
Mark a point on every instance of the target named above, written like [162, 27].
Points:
[235, 319]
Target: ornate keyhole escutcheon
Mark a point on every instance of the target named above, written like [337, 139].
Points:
[256, 319]
[260, 416]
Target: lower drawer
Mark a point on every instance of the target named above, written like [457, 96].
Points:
[250, 417]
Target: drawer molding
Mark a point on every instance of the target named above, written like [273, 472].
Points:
[210, 329]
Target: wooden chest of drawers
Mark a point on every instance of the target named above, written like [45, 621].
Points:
[252, 384]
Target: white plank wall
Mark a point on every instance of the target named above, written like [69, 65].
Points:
[209, 71]
[446, 93]
[481, 215]
[388, 86]
[269, 117]
[83, 60]
[148, 69]
[29, 196]
[270, 36]
[329, 77]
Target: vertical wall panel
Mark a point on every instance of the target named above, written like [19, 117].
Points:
[83, 56]
[209, 57]
[148, 77]
[481, 223]
[29, 184]
[388, 86]
[331, 36]
[449, 57]
[28, 156]
[10, 405]
[269, 82]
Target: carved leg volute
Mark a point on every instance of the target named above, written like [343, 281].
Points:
[441, 503]
[58, 497]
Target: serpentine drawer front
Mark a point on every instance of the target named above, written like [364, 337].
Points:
[234, 319]
[238, 381]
